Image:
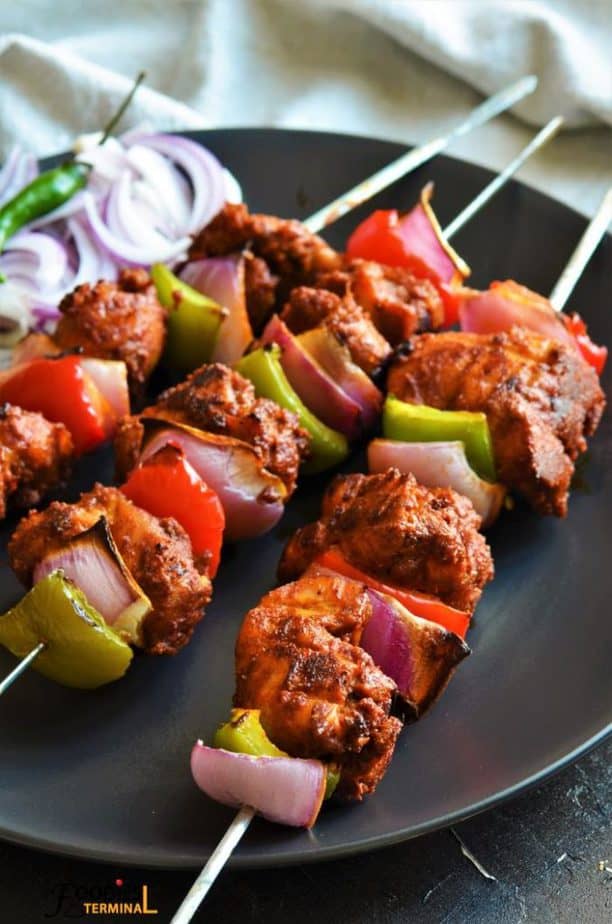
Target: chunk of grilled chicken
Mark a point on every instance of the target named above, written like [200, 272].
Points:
[389, 526]
[397, 302]
[116, 320]
[291, 252]
[540, 397]
[308, 307]
[219, 400]
[320, 695]
[35, 456]
[157, 552]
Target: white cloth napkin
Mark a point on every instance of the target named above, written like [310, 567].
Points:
[346, 64]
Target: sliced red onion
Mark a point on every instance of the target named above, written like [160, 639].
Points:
[222, 279]
[110, 378]
[93, 261]
[318, 391]
[335, 358]
[418, 655]
[251, 496]
[423, 237]
[125, 217]
[287, 790]
[142, 200]
[169, 186]
[125, 250]
[49, 253]
[439, 465]
[92, 561]
[108, 160]
[508, 304]
[203, 170]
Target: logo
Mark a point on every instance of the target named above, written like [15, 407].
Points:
[74, 901]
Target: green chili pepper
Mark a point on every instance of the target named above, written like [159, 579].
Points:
[82, 651]
[416, 423]
[44, 194]
[53, 187]
[263, 368]
[193, 320]
[244, 734]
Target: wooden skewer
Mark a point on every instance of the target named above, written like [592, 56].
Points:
[214, 865]
[21, 667]
[585, 249]
[570, 275]
[412, 159]
[545, 135]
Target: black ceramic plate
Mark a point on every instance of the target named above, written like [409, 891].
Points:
[106, 775]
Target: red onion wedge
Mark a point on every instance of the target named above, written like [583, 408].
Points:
[506, 304]
[423, 237]
[286, 790]
[252, 497]
[319, 392]
[335, 359]
[420, 656]
[439, 465]
[222, 279]
[92, 561]
[110, 378]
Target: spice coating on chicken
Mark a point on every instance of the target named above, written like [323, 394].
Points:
[308, 308]
[35, 456]
[389, 526]
[157, 552]
[217, 399]
[398, 302]
[320, 695]
[540, 397]
[290, 250]
[116, 320]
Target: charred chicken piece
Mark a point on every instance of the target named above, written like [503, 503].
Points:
[291, 252]
[398, 303]
[35, 456]
[320, 695]
[116, 320]
[217, 399]
[391, 527]
[260, 287]
[308, 308]
[541, 400]
[157, 552]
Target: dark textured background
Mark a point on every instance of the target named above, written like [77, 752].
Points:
[550, 851]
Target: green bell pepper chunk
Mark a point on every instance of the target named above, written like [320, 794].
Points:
[193, 320]
[415, 423]
[244, 734]
[81, 650]
[263, 368]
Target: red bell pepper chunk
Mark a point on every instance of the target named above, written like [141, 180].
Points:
[168, 486]
[595, 355]
[419, 604]
[63, 392]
